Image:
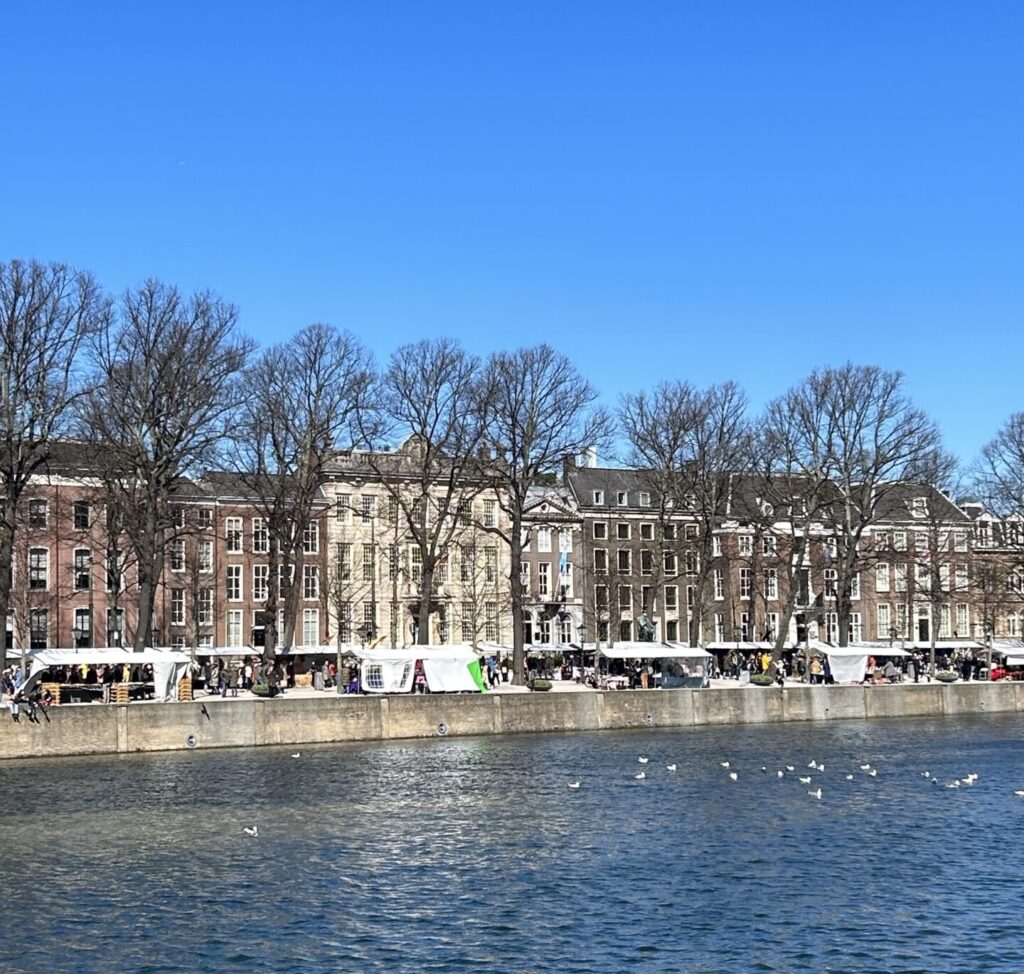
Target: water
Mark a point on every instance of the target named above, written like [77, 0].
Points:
[473, 855]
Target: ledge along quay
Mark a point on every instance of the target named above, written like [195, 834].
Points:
[166, 701]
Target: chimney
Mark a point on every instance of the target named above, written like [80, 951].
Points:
[590, 457]
[568, 466]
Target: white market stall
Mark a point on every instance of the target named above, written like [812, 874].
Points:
[448, 669]
[169, 666]
[676, 657]
[849, 664]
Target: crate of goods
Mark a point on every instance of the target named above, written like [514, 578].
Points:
[185, 689]
[119, 693]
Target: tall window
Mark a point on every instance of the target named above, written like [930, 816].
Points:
[490, 564]
[81, 515]
[832, 627]
[311, 538]
[345, 621]
[719, 583]
[745, 582]
[884, 621]
[626, 598]
[831, 576]
[600, 561]
[670, 563]
[115, 570]
[39, 628]
[233, 535]
[115, 627]
[343, 510]
[746, 545]
[83, 628]
[369, 619]
[205, 554]
[37, 514]
[177, 555]
[646, 562]
[260, 536]
[491, 621]
[310, 627]
[543, 539]
[856, 628]
[544, 578]
[490, 514]
[899, 574]
[83, 569]
[625, 561]
[771, 583]
[234, 627]
[344, 561]
[177, 607]
[204, 518]
[882, 577]
[416, 563]
[963, 621]
[234, 583]
[671, 598]
[960, 579]
[39, 569]
[369, 562]
[260, 582]
[311, 581]
[467, 622]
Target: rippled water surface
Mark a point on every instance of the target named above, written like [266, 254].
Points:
[474, 855]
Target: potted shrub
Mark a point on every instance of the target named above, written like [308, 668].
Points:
[261, 690]
[762, 679]
[539, 684]
[946, 676]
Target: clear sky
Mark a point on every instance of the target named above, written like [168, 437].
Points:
[697, 190]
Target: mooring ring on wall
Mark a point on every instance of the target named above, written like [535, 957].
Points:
[648, 719]
[442, 729]
[191, 740]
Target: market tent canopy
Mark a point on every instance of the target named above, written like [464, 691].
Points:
[169, 666]
[860, 649]
[743, 647]
[1015, 659]
[447, 668]
[633, 650]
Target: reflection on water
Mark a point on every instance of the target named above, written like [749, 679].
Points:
[473, 855]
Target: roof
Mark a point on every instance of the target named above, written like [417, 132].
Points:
[613, 480]
[896, 504]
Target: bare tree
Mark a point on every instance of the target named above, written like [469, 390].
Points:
[304, 399]
[430, 394]
[695, 439]
[165, 389]
[855, 426]
[539, 410]
[47, 314]
[999, 473]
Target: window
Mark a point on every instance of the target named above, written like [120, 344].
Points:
[621, 498]
[622, 531]
[310, 627]
[491, 621]
[39, 629]
[311, 581]
[600, 531]
[260, 536]
[670, 532]
[745, 582]
[856, 629]
[901, 620]
[671, 598]
[647, 532]
[882, 577]
[745, 633]
[944, 577]
[490, 514]
[646, 562]
[598, 498]
[920, 541]
[37, 514]
[467, 622]
[716, 546]
[39, 569]
[959, 540]
[881, 540]
[565, 541]
[368, 507]
[311, 538]
[415, 563]
[115, 570]
[692, 532]
[719, 627]
[369, 562]
[205, 549]
[945, 630]
[81, 515]
[692, 563]
[204, 609]
[831, 577]
[771, 583]
[919, 507]
[177, 556]
[883, 624]
[204, 518]
[646, 599]
[543, 539]
[924, 578]
[670, 563]
[960, 578]
[370, 620]
[625, 598]
[691, 597]
[83, 569]
[769, 545]
[855, 586]
[746, 545]
[831, 627]
[490, 564]
[234, 583]
[963, 620]
[645, 499]
[343, 509]
[600, 561]
[544, 578]
[672, 630]
[624, 561]
[344, 561]
[719, 583]
[178, 516]
[899, 540]
[260, 582]
[233, 535]
[82, 628]
[771, 625]
[900, 576]
[565, 630]
[234, 627]
[115, 627]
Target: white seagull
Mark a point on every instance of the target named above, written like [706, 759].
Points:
[813, 764]
[254, 831]
[780, 774]
[640, 776]
[821, 767]
[1019, 794]
[733, 775]
[790, 767]
[725, 764]
[670, 767]
[873, 773]
[849, 777]
[297, 754]
[805, 781]
[865, 767]
[953, 784]
[926, 774]
[642, 760]
[574, 785]
[815, 794]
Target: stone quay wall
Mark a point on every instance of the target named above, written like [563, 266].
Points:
[123, 729]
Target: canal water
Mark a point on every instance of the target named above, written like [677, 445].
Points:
[471, 855]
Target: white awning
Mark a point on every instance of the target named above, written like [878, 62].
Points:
[634, 650]
[1015, 659]
[743, 647]
[413, 653]
[105, 657]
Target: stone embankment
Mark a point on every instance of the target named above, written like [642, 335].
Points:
[119, 729]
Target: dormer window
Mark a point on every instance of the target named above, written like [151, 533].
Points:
[599, 498]
[645, 499]
[622, 498]
[919, 507]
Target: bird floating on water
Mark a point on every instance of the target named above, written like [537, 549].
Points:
[821, 767]
[670, 767]
[763, 768]
[926, 774]
[642, 760]
[640, 776]
[574, 784]
[805, 781]
[813, 764]
[972, 777]
[733, 775]
[254, 831]
[725, 764]
[849, 777]
[815, 794]
[953, 784]
[1019, 794]
[865, 767]
[790, 767]
[297, 754]
[780, 774]
[873, 773]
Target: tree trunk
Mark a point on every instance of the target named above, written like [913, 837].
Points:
[270, 633]
[515, 579]
[6, 563]
[149, 576]
[426, 592]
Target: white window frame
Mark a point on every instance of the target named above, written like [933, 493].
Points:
[234, 583]
[234, 535]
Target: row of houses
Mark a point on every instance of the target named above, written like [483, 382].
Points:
[606, 557]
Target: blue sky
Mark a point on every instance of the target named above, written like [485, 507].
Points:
[661, 190]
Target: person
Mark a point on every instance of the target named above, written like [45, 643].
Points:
[816, 669]
[890, 671]
[504, 670]
[332, 673]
